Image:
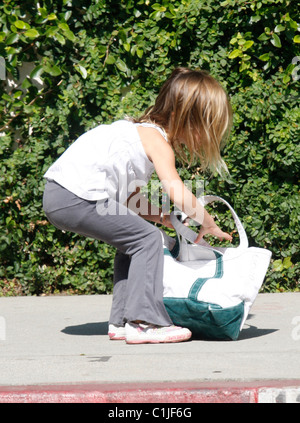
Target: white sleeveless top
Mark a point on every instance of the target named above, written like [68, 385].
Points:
[107, 161]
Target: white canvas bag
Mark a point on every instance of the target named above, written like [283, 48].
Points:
[211, 290]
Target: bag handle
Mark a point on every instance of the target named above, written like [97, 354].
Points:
[191, 236]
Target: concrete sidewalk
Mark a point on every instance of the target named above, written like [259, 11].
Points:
[56, 349]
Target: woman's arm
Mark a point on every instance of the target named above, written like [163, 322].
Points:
[138, 203]
[163, 158]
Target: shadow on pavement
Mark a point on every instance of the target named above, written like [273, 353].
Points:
[87, 329]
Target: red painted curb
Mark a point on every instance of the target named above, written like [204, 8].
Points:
[210, 392]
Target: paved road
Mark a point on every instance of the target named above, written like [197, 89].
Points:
[62, 340]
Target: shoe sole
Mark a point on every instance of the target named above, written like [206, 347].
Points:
[173, 339]
[114, 337]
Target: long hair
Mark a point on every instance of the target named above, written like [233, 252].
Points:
[194, 110]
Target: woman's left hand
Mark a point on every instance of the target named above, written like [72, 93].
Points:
[166, 221]
[213, 230]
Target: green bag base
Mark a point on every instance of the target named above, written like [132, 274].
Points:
[206, 320]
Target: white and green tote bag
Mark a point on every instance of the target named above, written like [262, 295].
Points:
[211, 290]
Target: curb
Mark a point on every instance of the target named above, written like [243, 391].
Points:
[167, 392]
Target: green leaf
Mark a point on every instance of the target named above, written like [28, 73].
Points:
[287, 263]
[63, 26]
[51, 17]
[32, 33]
[244, 66]
[70, 35]
[248, 44]
[263, 37]
[82, 71]
[133, 49]
[51, 31]
[169, 15]
[161, 68]
[277, 265]
[18, 94]
[121, 65]
[21, 25]
[279, 28]
[296, 39]
[139, 53]
[265, 57]
[67, 15]
[158, 7]
[235, 53]
[26, 84]
[60, 38]
[53, 70]
[37, 71]
[11, 50]
[290, 68]
[43, 12]
[276, 41]
[110, 59]
[255, 18]
[12, 38]
[294, 25]
[7, 220]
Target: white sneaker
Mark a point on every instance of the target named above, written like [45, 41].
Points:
[151, 334]
[116, 332]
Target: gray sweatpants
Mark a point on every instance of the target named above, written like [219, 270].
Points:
[138, 270]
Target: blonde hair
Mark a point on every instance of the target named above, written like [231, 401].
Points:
[195, 111]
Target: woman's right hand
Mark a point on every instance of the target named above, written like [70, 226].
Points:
[215, 231]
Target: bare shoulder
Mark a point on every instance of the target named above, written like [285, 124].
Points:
[154, 143]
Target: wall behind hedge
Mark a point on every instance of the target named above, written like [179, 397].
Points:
[94, 62]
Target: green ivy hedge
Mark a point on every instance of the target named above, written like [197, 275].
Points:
[101, 60]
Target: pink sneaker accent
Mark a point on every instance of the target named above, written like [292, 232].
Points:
[116, 332]
[150, 334]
